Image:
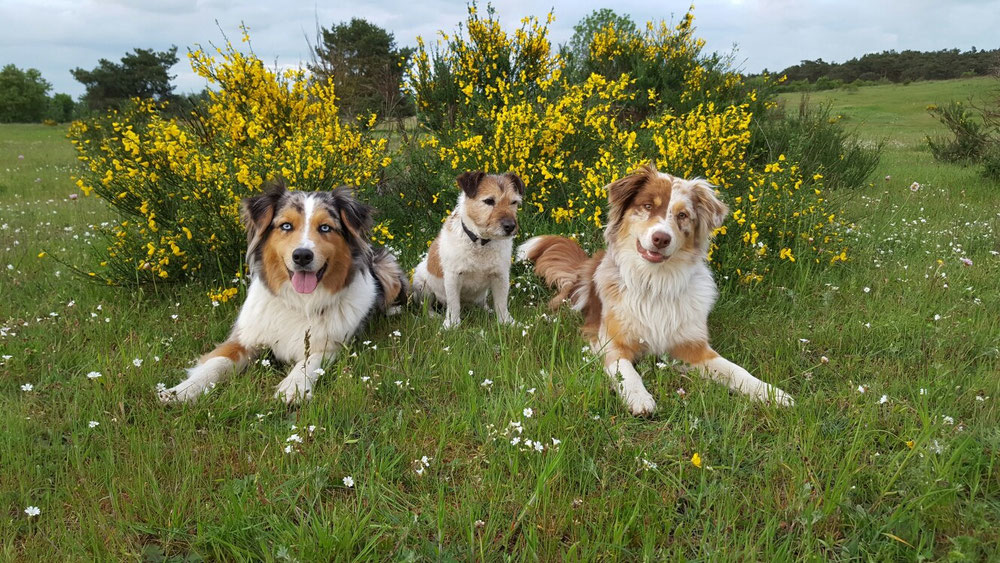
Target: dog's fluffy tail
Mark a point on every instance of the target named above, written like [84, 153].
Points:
[560, 262]
[392, 279]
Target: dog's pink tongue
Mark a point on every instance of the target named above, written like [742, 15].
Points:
[304, 282]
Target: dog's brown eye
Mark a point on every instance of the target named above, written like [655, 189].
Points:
[682, 215]
[490, 201]
[647, 206]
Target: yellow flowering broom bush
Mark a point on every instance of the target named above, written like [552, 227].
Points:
[497, 102]
[486, 99]
[177, 183]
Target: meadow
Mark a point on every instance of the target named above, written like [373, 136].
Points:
[493, 442]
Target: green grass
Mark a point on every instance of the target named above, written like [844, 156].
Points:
[832, 477]
[897, 111]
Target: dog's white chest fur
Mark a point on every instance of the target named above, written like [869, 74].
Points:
[476, 263]
[661, 305]
[280, 322]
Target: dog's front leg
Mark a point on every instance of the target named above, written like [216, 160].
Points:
[717, 368]
[453, 298]
[628, 383]
[228, 357]
[298, 385]
[500, 287]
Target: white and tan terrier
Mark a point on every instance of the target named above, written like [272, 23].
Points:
[472, 253]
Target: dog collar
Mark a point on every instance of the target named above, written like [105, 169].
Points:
[473, 237]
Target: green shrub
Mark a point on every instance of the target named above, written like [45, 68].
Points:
[969, 138]
[818, 141]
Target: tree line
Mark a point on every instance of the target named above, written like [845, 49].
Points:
[891, 66]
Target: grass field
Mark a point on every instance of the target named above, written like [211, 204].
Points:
[891, 452]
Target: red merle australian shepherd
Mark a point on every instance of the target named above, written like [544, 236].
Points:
[651, 291]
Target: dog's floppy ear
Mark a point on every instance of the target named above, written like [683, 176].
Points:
[621, 192]
[354, 215]
[469, 182]
[258, 211]
[516, 181]
[710, 211]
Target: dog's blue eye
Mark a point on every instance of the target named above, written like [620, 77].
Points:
[286, 226]
[489, 201]
[325, 228]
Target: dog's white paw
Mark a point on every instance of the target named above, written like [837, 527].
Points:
[506, 319]
[770, 394]
[186, 391]
[451, 322]
[295, 388]
[782, 399]
[641, 403]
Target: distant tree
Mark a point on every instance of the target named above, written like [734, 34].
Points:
[577, 52]
[366, 67]
[61, 108]
[143, 73]
[23, 95]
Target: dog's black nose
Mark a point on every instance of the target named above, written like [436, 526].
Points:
[302, 256]
[508, 225]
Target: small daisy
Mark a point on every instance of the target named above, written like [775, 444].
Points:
[527, 412]
[294, 438]
[93, 424]
[27, 387]
[348, 481]
[137, 362]
[947, 419]
[883, 399]
[486, 383]
[93, 375]
[32, 511]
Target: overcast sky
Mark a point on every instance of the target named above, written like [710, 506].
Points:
[55, 36]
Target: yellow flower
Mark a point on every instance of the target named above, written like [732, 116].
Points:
[696, 460]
